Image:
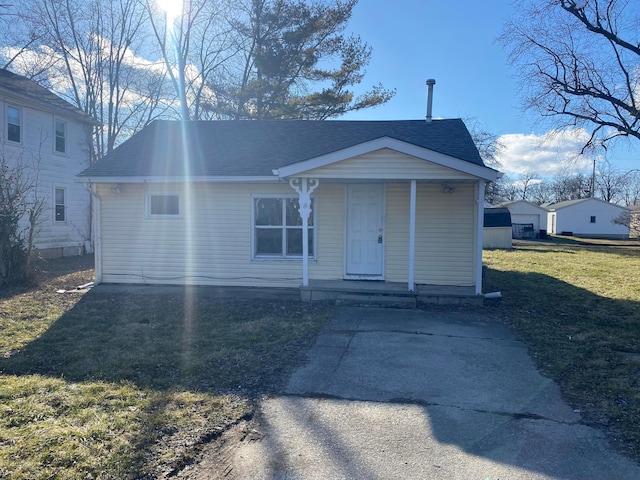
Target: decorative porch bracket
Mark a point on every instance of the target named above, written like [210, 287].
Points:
[304, 187]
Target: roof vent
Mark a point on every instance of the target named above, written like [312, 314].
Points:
[430, 83]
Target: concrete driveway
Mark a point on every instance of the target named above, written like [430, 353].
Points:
[417, 395]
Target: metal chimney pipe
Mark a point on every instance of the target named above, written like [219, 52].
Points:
[430, 83]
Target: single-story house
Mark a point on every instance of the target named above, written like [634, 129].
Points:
[286, 203]
[497, 228]
[528, 219]
[587, 217]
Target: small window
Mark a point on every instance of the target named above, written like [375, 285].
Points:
[61, 136]
[278, 228]
[14, 124]
[163, 205]
[593, 219]
[60, 205]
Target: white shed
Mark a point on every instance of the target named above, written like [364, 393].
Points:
[587, 217]
[527, 213]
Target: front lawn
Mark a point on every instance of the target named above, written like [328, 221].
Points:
[578, 309]
[130, 386]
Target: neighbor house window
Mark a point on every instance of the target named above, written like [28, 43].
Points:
[61, 136]
[163, 205]
[593, 219]
[60, 205]
[278, 228]
[14, 124]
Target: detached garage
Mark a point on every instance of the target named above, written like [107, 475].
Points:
[528, 219]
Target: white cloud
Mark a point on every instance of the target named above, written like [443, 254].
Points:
[546, 155]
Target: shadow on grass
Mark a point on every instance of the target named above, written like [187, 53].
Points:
[167, 371]
[590, 344]
[574, 249]
[172, 341]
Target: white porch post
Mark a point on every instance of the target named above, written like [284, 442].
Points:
[480, 227]
[412, 235]
[304, 187]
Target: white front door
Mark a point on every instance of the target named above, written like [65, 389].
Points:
[365, 231]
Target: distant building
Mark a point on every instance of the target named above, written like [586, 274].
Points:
[51, 139]
[587, 217]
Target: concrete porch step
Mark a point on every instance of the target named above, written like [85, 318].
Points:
[363, 300]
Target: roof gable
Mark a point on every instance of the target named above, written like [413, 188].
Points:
[316, 165]
[571, 203]
[23, 89]
[255, 148]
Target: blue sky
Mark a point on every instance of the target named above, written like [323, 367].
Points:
[455, 43]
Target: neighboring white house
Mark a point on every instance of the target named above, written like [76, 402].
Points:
[525, 213]
[50, 139]
[231, 202]
[586, 217]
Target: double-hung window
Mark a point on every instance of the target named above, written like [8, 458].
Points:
[60, 205]
[277, 228]
[61, 136]
[14, 124]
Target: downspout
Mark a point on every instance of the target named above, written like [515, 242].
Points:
[97, 234]
[479, 237]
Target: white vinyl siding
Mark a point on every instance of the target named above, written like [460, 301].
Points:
[445, 234]
[211, 244]
[386, 164]
[51, 170]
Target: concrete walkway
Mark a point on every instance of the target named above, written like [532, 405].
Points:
[403, 394]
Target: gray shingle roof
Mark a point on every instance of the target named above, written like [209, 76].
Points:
[567, 203]
[256, 147]
[18, 86]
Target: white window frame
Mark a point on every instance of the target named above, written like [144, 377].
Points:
[56, 204]
[55, 136]
[19, 109]
[147, 202]
[283, 257]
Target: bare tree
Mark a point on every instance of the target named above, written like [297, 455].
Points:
[578, 61]
[524, 184]
[488, 144]
[19, 206]
[195, 43]
[86, 54]
[541, 192]
[631, 188]
[610, 183]
[571, 187]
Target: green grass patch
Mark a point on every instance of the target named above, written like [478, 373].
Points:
[130, 386]
[578, 309]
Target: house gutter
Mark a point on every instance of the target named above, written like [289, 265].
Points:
[179, 179]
